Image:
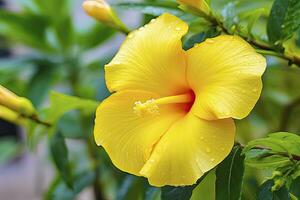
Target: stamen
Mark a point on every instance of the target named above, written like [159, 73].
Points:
[149, 107]
[152, 106]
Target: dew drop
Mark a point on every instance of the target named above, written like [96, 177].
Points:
[152, 20]
[202, 138]
[212, 160]
[196, 45]
[210, 41]
[117, 63]
[142, 28]
[130, 36]
[177, 29]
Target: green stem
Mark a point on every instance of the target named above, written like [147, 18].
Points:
[271, 53]
[89, 140]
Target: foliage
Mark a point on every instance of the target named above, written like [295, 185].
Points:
[59, 60]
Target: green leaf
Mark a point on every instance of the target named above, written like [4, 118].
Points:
[50, 9]
[267, 161]
[282, 142]
[152, 193]
[9, 148]
[70, 125]
[275, 151]
[64, 32]
[131, 188]
[265, 192]
[153, 8]
[40, 83]
[284, 20]
[94, 36]
[28, 29]
[61, 103]
[199, 37]
[295, 187]
[59, 153]
[59, 190]
[179, 193]
[230, 176]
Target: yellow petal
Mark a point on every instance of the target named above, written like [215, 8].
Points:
[127, 137]
[196, 6]
[151, 59]
[191, 147]
[225, 74]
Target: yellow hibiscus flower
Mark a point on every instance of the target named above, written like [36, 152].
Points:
[170, 116]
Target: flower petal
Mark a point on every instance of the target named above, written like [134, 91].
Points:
[225, 73]
[151, 59]
[191, 147]
[128, 138]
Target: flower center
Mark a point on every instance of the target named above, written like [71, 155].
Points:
[152, 106]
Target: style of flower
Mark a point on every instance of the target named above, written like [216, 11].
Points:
[170, 117]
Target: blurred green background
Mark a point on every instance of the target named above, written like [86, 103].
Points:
[51, 45]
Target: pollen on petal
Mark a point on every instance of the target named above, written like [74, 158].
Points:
[149, 107]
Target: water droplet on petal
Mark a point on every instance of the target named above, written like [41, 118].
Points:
[212, 160]
[130, 35]
[142, 28]
[210, 41]
[177, 29]
[152, 20]
[196, 45]
[117, 63]
[202, 138]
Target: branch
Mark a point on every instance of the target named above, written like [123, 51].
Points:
[293, 156]
[37, 120]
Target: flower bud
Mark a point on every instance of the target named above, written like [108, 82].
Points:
[15, 103]
[101, 11]
[199, 7]
[11, 116]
